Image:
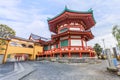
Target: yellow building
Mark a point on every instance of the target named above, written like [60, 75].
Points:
[20, 49]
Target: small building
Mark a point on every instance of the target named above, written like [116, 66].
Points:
[20, 49]
[72, 31]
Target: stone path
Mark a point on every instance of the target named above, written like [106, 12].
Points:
[20, 70]
[58, 71]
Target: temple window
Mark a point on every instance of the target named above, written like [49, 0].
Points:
[45, 47]
[23, 45]
[13, 43]
[56, 45]
[76, 42]
[52, 46]
[63, 30]
[64, 43]
[75, 29]
[30, 46]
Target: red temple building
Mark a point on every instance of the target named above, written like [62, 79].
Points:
[72, 30]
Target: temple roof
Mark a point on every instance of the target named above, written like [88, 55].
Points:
[69, 10]
[88, 34]
[86, 17]
[36, 37]
[20, 38]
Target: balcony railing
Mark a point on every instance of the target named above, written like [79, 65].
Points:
[68, 49]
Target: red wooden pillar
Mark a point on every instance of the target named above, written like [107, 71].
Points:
[69, 41]
[82, 44]
[60, 54]
[80, 55]
[46, 55]
[93, 54]
[90, 54]
[69, 54]
[53, 55]
[69, 44]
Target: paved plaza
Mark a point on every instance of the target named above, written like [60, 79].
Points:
[45, 70]
[6, 68]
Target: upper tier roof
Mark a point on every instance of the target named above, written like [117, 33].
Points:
[86, 17]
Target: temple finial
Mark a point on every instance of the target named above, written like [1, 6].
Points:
[66, 7]
[90, 10]
[48, 18]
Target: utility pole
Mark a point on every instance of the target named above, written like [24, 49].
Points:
[103, 46]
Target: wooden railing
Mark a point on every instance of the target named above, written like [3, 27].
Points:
[67, 49]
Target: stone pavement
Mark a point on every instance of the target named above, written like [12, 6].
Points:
[20, 70]
[59, 71]
[6, 68]
[45, 70]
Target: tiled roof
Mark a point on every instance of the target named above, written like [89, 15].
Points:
[36, 37]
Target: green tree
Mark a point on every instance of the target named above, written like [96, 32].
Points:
[5, 32]
[2, 42]
[116, 33]
[97, 49]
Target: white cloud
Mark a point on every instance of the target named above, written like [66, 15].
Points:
[39, 27]
[23, 21]
[33, 20]
[9, 3]
[109, 41]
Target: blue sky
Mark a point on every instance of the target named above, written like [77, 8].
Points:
[30, 16]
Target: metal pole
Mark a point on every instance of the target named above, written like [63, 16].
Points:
[103, 43]
[104, 46]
